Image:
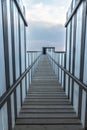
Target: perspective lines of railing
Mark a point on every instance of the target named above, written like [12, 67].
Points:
[21, 86]
[46, 103]
[70, 83]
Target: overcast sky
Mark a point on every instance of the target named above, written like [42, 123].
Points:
[46, 19]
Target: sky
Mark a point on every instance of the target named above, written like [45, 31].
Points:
[46, 19]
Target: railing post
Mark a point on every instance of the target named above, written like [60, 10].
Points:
[20, 58]
[61, 65]
[6, 53]
[61, 70]
[82, 56]
[25, 55]
[58, 67]
[13, 57]
[73, 66]
[30, 64]
[28, 72]
[65, 64]
[69, 59]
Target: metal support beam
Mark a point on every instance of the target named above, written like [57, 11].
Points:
[69, 59]
[73, 66]
[82, 56]
[13, 56]
[20, 57]
[25, 55]
[6, 53]
[65, 63]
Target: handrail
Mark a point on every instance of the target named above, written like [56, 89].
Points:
[60, 51]
[19, 9]
[82, 85]
[6, 95]
[73, 12]
[33, 51]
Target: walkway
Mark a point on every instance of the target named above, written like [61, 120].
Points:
[46, 107]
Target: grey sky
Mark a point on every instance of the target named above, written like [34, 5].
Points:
[46, 19]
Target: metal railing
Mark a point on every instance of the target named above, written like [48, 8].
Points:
[76, 63]
[58, 62]
[55, 63]
[31, 67]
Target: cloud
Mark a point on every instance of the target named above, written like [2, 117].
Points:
[52, 11]
[45, 34]
[46, 19]
[46, 13]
